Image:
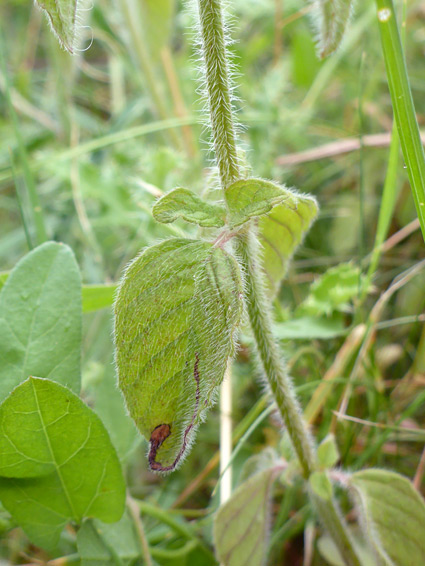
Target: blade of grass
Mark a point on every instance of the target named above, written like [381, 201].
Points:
[402, 100]
[34, 210]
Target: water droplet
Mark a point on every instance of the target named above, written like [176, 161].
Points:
[384, 15]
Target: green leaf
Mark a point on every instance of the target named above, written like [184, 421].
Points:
[182, 203]
[331, 18]
[241, 525]
[100, 544]
[280, 233]
[176, 313]
[334, 290]
[96, 297]
[394, 516]
[253, 197]
[329, 551]
[64, 17]
[321, 485]
[56, 461]
[311, 328]
[327, 452]
[40, 324]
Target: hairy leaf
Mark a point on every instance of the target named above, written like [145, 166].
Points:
[63, 16]
[327, 452]
[281, 231]
[253, 197]
[331, 18]
[182, 203]
[176, 312]
[99, 544]
[56, 461]
[40, 319]
[394, 516]
[321, 485]
[241, 525]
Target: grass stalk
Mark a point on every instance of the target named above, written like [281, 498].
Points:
[403, 106]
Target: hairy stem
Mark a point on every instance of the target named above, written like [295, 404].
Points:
[270, 356]
[217, 79]
[223, 131]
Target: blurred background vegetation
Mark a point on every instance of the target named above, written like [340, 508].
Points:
[96, 137]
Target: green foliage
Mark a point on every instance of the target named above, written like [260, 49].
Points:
[334, 290]
[281, 231]
[187, 205]
[331, 18]
[57, 461]
[394, 516]
[327, 452]
[248, 198]
[100, 544]
[321, 485]
[176, 313]
[63, 16]
[241, 525]
[40, 325]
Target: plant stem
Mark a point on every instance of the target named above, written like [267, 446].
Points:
[258, 305]
[404, 109]
[270, 356]
[217, 79]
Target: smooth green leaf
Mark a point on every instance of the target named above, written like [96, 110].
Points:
[109, 405]
[327, 452]
[158, 18]
[56, 461]
[334, 290]
[253, 197]
[40, 324]
[321, 485]
[176, 313]
[99, 544]
[182, 203]
[280, 233]
[241, 525]
[394, 516]
[310, 328]
[96, 297]
[63, 17]
[331, 18]
[328, 549]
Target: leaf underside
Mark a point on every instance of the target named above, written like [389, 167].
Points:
[41, 320]
[57, 462]
[63, 17]
[249, 198]
[241, 525]
[394, 515]
[331, 18]
[281, 231]
[176, 312]
[182, 203]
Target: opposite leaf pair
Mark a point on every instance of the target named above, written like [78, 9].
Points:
[178, 308]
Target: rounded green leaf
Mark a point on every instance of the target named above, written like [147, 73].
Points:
[252, 197]
[241, 525]
[182, 203]
[40, 319]
[281, 231]
[57, 462]
[394, 516]
[176, 312]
